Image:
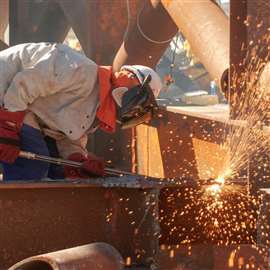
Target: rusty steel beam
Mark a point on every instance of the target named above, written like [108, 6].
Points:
[209, 256]
[148, 35]
[173, 145]
[179, 145]
[249, 64]
[100, 34]
[118, 211]
[206, 27]
[93, 256]
[263, 236]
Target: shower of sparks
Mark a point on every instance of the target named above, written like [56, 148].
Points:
[246, 136]
[228, 214]
[224, 213]
[220, 214]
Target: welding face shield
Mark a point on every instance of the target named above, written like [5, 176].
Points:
[138, 105]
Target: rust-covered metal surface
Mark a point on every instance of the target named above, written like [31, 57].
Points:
[207, 33]
[36, 21]
[93, 256]
[182, 142]
[37, 218]
[249, 43]
[100, 26]
[148, 35]
[264, 220]
[173, 145]
[208, 256]
[249, 53]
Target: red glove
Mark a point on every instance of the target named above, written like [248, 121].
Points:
[91, 166]
[10, 127]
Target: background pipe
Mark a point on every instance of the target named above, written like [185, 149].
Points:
[206, 27]
[147, 37]
[94, 256]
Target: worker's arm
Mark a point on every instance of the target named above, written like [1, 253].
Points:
[58, 70]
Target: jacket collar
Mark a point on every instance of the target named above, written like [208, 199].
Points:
[106, 112]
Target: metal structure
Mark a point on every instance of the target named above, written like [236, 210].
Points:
[133, 213]
[100, 34]
[249, 54]
[94, 256]
[37, 218]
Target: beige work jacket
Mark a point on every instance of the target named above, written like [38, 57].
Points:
[56, 84]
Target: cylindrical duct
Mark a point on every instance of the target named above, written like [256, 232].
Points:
[206, 27]
[94, 256]
[148, 36]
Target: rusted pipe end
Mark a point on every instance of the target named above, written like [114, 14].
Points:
[94, 256]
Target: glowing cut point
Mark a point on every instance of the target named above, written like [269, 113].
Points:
[214, 188]
[220, 180]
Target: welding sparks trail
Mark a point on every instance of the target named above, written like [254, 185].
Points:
[246, 137]
[229, 214]
[226, 213]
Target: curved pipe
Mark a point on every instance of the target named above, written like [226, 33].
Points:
[94, 256]
[206, 27]
[147, 37]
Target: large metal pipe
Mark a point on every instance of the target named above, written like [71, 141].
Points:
[206, 27]
[149, 34]
[100, 34]
[36, 21]
[94, 256]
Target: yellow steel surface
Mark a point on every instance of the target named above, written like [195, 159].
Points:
[149, 159]
[209, 157]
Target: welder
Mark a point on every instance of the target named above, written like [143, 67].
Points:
[52, 97]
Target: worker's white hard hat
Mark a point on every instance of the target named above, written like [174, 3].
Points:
[142, 72]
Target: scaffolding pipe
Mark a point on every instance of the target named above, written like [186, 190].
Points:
[94, 256]
[206, 27]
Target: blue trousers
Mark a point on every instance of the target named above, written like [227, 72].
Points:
[24, 169]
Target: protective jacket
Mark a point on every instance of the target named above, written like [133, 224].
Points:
[57, 85]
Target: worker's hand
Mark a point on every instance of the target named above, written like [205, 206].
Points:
[92, 166]
[10, 127]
